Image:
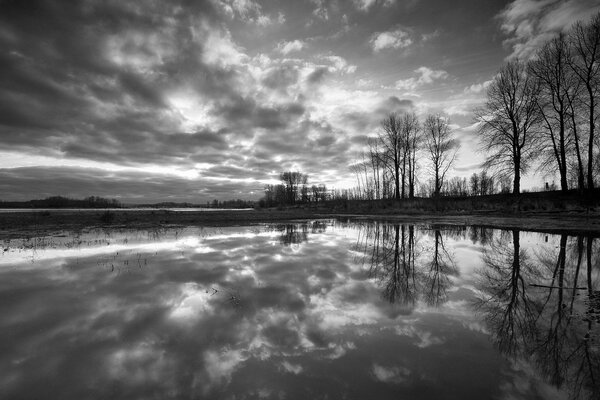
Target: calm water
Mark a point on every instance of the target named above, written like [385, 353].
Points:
[319, 310]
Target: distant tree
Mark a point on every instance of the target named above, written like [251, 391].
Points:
[441, 147]
[457, 186]
[486, 184]
[292, 181]
[507, 121]
[474, 182]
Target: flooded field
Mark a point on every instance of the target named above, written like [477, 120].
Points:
[315, 310]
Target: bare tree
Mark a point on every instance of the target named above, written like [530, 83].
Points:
[410, 134]
[441, 146]
[553, 74]
[585, 63]
[292, 181]
[391, 140]
[376, 160]
[507, 121]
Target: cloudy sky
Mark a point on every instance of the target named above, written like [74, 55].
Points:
[196, 100]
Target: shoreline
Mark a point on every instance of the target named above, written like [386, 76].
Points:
[36, 223]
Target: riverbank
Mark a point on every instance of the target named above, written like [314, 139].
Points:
[39, 223]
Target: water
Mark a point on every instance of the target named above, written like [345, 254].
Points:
[325, 309]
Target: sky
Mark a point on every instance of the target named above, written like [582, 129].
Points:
[148, 101]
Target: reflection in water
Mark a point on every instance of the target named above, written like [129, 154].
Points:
[405, 271]
[300, 310]
[544, 307]
[294, 234]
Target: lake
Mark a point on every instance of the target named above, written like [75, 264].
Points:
[326, 309]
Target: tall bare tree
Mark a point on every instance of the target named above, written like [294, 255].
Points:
[507, 121]
[376, 160]
[585, 63]
[391, 140]
[551, 68]
[442, 148]
[410, 134]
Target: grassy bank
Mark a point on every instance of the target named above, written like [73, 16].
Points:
[501, 204]
[48, 222]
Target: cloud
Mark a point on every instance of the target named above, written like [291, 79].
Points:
[339, 64]
[366, 5]
[289, 47]
[477, 88]
[530, 23]
[130, 186]
[248, 11]
[390, 374]
[321, 10]
[425, 76]
[396, 39]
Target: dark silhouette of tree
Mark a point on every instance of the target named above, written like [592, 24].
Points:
[533, 309]
[293, 233]
[292, 181]
[391, 252]
[584, 41]
[441, 147]
[410, 135]
[437, 275]
[392, 143]
[551, 69]
[508, 119]
[507, 307]
[376, 160]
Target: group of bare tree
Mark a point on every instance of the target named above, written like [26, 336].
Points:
[389, 168]
[544, 111]
[294, 189]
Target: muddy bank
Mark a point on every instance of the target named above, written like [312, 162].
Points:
[42, 223]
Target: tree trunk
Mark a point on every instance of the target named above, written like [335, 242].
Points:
[564, 186]
[590, 176]
[517, 181]
[397, 180]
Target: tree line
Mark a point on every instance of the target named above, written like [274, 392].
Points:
[292, 190]
[544, 111]
[539, 113]
[389, 167]
[63, 202]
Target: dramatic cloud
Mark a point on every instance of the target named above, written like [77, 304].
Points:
[230, 93]
[529, 23]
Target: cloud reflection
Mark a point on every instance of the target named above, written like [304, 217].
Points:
[213, 314]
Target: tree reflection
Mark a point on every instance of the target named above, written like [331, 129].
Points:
[543, 309]
[407, 274]
[294, 234]
[437, 277]
[507, 308]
